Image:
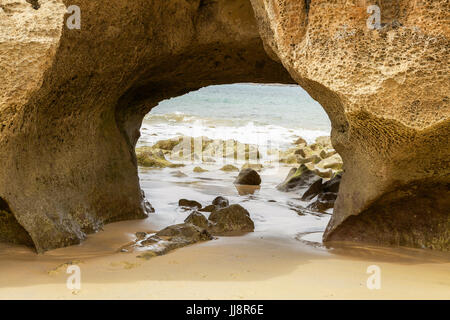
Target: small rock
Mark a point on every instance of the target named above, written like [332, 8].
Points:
[199, 170]
[248, 177]
[189, 203]
[230, 219]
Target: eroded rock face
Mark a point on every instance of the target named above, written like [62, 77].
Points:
[386, 93]
[72, 101]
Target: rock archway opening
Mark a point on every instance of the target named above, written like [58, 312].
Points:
[68, 135]
[265, 147]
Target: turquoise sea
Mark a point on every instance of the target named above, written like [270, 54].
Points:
[249, 113]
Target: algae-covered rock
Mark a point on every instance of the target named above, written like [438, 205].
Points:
[199, 170]
[168, 144]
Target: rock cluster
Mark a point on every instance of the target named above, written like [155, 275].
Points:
[319, 157]
[224, 220]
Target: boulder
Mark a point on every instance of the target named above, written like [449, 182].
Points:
[248, 177]
[232, 219]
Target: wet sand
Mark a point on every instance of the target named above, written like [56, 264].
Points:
[282, 259]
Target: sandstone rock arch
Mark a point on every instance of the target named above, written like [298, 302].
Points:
[71, 103]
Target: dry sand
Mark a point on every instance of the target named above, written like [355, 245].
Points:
[228, 268]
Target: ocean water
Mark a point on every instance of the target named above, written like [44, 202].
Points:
[250, 113]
